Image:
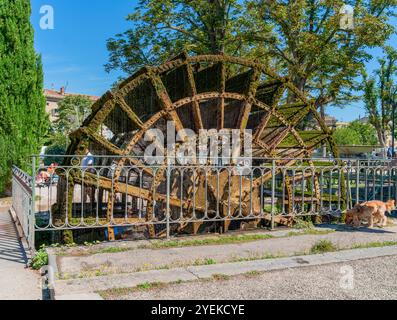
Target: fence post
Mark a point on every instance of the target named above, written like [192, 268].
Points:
[358, 182]
[168, 196]
[31, 214]
[273, 192]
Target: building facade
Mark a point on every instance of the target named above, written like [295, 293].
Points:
[53, 97]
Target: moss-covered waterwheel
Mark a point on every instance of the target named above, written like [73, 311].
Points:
[199, 92]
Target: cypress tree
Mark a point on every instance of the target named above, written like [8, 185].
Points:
[23, 121]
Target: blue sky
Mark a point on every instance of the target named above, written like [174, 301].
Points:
[74, 53]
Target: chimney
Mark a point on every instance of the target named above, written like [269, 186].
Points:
[62, 91]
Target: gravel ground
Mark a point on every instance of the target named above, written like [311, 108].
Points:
[147, 259]
[373, 279]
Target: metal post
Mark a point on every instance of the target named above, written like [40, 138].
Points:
[168, 196]
[273, 193]
[31, 214]
[393, 127]
[358, 182]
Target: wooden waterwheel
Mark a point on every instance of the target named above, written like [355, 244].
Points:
[195, 92]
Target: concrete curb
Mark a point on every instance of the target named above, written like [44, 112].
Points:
[90, 285]
[51, 272]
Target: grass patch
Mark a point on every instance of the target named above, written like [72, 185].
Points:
[265, 256]
[309, 232]
[210, 241]
[301, 223]
[113, 250]
[150, 285]
[251, 274]
[221, 277]
[375, 245]
[205, 262]
[119, 292]
[323, 246]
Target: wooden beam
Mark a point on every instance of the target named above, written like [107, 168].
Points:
[165, 101]
[105, 183]
[129, 112]
[221, 103]
[198, 121]
[247, 105]
[102, 141]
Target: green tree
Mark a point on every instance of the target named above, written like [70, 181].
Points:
[356, 133]
[311, 48]
[379, 89]
[72, 111]
[163, 28]
[347, 137]
[23, 122]
[366, 132]
[302, 38]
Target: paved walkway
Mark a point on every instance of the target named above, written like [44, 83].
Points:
[360, 279]
[194, 273]
[141, 259]
[16, 282]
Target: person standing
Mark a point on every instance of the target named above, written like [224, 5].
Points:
[88, 161]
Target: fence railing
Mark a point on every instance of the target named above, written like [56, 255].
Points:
[112, 192]
[22, 203]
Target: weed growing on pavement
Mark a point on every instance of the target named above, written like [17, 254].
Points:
[375, 245]
[149, 285]
[40, 259]
[301, 223]
[220, 277]
[309, 232]
[323, 246]
[210, 241]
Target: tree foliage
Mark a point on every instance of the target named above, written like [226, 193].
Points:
[302, 38]
[356, 133]
[346, 137]
[23, 121]
[72, 111]
[311, 48]
[163, 28]
[379, 90]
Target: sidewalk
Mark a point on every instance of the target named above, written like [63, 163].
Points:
[114, 258]
[75, 288]
[16, 282]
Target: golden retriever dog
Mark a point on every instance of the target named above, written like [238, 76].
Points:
[355, 215]
[350, 214]
[372, 211]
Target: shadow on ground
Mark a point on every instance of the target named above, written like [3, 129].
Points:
[11, 248]
[346, 228]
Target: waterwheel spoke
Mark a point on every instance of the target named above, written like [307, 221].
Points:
[250, 94]
[265, 120]
[165, 101]
[129, 112]
[221, 102]
[192, 91]
[98, 139]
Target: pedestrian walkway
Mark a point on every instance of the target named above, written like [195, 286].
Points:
[16, 281]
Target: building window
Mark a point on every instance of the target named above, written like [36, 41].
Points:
[55, 113]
